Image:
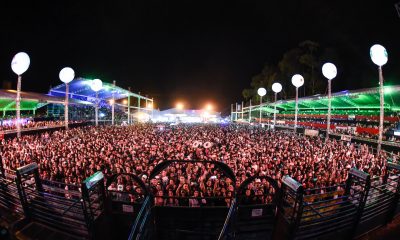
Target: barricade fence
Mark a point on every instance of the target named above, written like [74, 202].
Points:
[290, 212]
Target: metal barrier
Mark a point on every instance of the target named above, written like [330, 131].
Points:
[58, 212]
[382, 200]
[290, 209]
[125, 204]
[141, 229]
[122, 201]
[342, 211]
[179, 221]
[333, 210]
[255, 214]
[9, 198]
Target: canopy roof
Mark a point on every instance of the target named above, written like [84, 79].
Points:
[363, 99]
[80, 89]
[30, 100]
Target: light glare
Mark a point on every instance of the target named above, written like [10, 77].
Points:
[277, 87]
[66, 75]
[20, 63]
[378, 54]
[261, 92]
[329, 70]
[297, 80]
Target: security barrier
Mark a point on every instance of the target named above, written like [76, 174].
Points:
[284, 212]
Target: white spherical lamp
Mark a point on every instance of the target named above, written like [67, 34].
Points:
[277, 87]
[378, 55]
[297, 80]
[261, 92]
[66, 75]
[96, 85]
[329, 70]
[20, 63]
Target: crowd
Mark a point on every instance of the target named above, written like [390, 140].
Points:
[73, 155]
[11, 124]
[347, 127]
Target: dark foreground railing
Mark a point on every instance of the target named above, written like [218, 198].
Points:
[287, 212]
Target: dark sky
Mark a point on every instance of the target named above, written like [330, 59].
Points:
[196, 51]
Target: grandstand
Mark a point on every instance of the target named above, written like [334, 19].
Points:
[50, 107]
[356, 102]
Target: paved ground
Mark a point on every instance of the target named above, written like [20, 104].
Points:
[389, 232]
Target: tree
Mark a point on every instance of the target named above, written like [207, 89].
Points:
[307, 59]
[310, 59]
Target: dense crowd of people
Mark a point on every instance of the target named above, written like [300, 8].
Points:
[73, 155]
[341, 126]
[32, 124]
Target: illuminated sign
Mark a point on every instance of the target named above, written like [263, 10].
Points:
[92, 180]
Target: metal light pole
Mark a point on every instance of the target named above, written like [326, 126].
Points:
[19, 64]
[297, 81]
[261, 92]
[236, 112]
[329, 71]
[96, 109]
[382, 111]
[379, 56]
[66, 75]
[129, 105]
[113, 105]
[277, 88]
[96, 86]
[18, 106]
[250, 112]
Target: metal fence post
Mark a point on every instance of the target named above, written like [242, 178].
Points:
[396, 197]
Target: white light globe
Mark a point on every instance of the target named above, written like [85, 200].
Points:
[378, 55]
[277, 87]
[20, 63]
[297, 80]
[262, 92]
[329, 70]
[66, 75]
[96, 85]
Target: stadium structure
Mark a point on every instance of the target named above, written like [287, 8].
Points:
[362, 104]
[36, 208]
[81, 96]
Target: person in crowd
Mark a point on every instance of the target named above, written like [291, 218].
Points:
[70, 156]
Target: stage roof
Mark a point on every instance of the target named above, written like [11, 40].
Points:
[80, 88]
[363, 99]
[30, 100]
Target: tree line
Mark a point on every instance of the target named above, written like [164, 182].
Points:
[306, 59]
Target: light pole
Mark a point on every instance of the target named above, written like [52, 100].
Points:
[379, 56]
[261, 92]
[19, 65]
[250, 112]
[329, 70]
[113, 105]
[277, 88]
[96, 86]
[297, 81]
[66, 75]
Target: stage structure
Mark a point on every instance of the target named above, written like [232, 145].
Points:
[134, 105]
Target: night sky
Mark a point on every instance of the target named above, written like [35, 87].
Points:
[194, 51]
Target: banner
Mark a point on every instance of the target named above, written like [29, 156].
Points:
[311, 132]
[345, 138]
[1, 135]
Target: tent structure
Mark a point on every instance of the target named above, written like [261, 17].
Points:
[80, 89]
[30, 101]
[363, 101]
